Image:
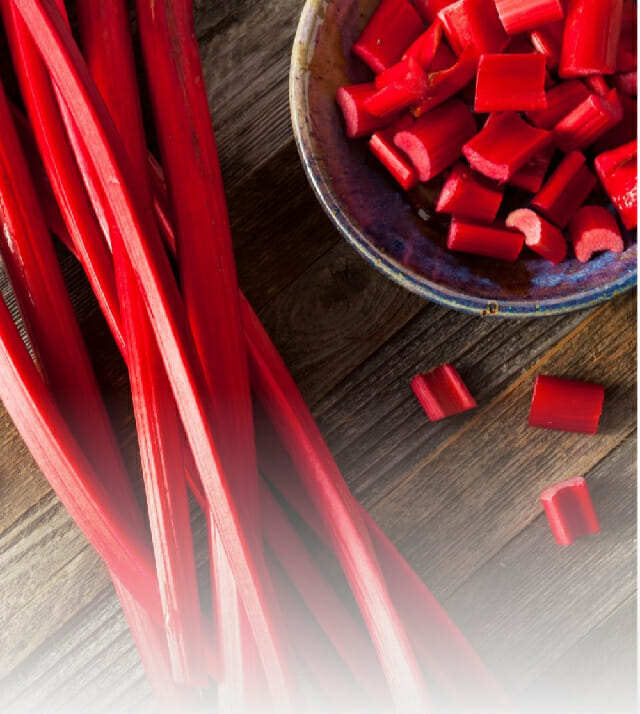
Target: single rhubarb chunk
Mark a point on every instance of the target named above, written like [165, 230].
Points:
[408, 85]
[625, 131]
[491, 241]
[473, 23]
[570, 510]
[424, 49]
[467, 194]
[505, 144]
[591, 37]
[593, 229]
[566, 190]
[442, 393]
[392, 28]
[521, 15]
[444, 84]
[429, 9]
[396, 163]
[358, 121]
[588, 121]
[531, 176]
[513, 82]
[561, 100]
[547, 40]
[541, 236]
[618, 173]
[435, 141]
[566, 405]
[597, 84]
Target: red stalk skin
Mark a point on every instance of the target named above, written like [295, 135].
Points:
[521, 15]
[597, 84]
[467, 194]
[394, 25]
[593, 229]
[531, 176]
[442, 649]
[588, 122]
[435, 141]
[591, 37]
[429, 9]
[358, 121]
[566, 405]
[104, 29]
[570, 510]
[547, 40]
[444, 58]
[408, 85]
[397, 164]
[504, 145]
[518, 45]
[513, 82]
[473, 23]
[618, 172]
[626, 82]
[627, 57]
[445, 83]
[164, 305]
[561, 100]
[424, 49]
[566, 190]
[442, 393]
[625, 131]
[541, 236]
[491, 241]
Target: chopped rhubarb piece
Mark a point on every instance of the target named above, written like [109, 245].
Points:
[521, 15]
[566, 190]
[566, 405]
[408, 85]
[429, 9]
[626, 82]
[561, 100]
[392, 28]
[444, 84]
[442, 393]
[358, 121]
[618, 172]
[512, 82]
[593, 229]
[531, 176]
[396, 163]
[491, 241]
[570, 510]
[625, 131]
[627, 57]
[591, 37]
[467, 194]
[588, 121]
[424, 49]
[539, 235]
[473, 23]
[547, 40]
[505, 144]
[597, 84]
[444, 58]
[435, 141]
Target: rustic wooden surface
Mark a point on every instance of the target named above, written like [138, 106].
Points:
[458, 497]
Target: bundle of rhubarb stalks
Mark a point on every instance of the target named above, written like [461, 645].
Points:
[526, 108]
[216, 411]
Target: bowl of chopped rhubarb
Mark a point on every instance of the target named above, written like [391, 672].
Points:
[481, 153]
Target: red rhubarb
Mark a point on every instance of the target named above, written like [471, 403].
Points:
[531, 176]
[561, 100]
[626, 82]
[566, 190]
[394, 25]
[625, 131]
[445, 83]
[424, 49]
[429, 9]
[593, 229]
[475, 24]
[392, 158]
[504, 145]
[566, 405]
[358, 121]
[399, 86]
[591, 37]
[548, 41]
[570, 510]
[491, 241]
[521, 15]
[467, 194]
[513, 82]
[539, 235]
[442, 393]
[618, 173]
[597, 84]
[591, 119]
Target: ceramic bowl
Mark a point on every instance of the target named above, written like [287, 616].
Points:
[399, 234]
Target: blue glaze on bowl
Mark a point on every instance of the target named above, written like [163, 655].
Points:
[379, 220]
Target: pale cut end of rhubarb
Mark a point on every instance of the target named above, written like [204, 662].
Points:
[570, 510]
[539, 235]
[442, 393]
[357, 120]
[594, 229]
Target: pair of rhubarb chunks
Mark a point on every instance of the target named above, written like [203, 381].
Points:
[550, 83]
[560, 404]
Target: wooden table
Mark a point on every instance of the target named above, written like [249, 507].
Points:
[459, 497]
